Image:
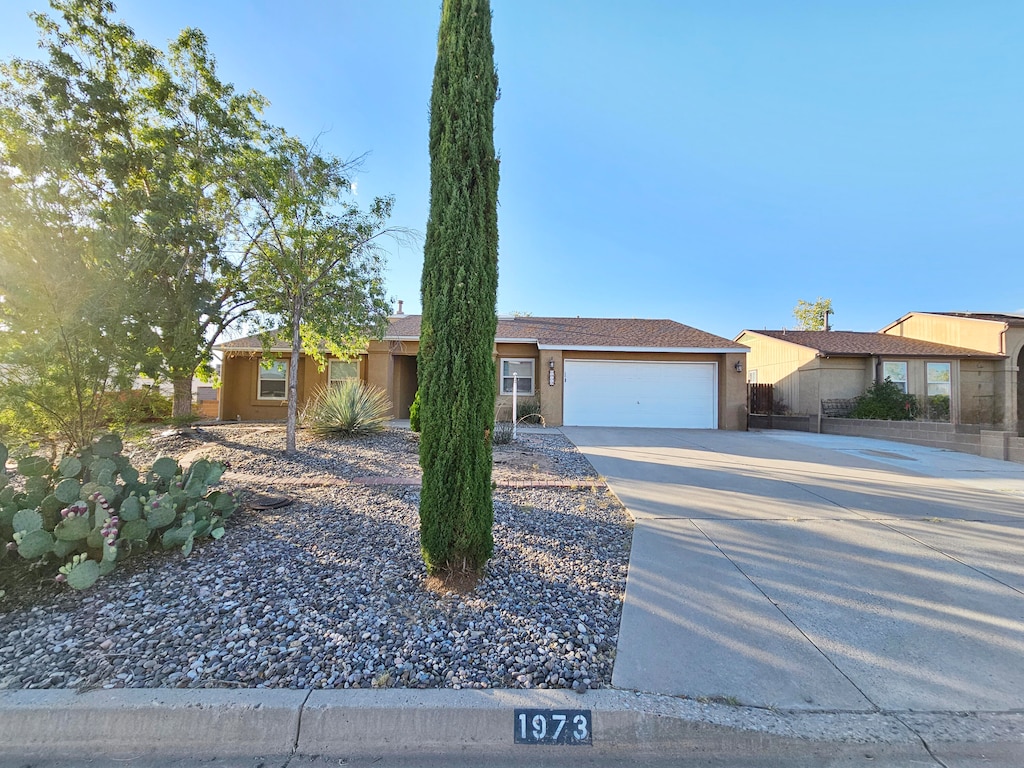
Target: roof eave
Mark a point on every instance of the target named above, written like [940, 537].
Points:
[677, 350]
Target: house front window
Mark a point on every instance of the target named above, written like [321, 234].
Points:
[520, 371]
[340, 371]
[896, 372]
[273, 381]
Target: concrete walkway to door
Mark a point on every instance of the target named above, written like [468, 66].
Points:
[809, 572]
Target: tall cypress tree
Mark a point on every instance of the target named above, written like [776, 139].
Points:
[457, 378]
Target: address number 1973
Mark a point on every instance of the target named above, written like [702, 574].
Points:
[553, 726]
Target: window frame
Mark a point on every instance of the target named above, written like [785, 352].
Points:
[335, 382]
[903, 383]
[262, 369]
[502, 376]
[928, 383]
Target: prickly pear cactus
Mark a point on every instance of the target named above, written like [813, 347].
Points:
[94, 509]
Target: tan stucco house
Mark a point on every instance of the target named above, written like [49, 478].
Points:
[581, 371]
[939, 358]
[997, 387]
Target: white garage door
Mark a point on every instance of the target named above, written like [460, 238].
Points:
[601, 393]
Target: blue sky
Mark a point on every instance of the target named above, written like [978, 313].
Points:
[709, 162]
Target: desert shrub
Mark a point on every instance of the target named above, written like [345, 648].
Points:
[884, 400]
[529, 410]
[349, 409]
[92, 510]
[414, 413]
[136, 406]
[502, 434]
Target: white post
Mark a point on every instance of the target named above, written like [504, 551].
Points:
[515, 403]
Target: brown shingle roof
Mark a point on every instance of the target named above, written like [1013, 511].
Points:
[554, 332]
[280, 343]
[996, 317]
[861, 344]
[588, 332]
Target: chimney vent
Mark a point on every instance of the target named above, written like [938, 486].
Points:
[400, 312]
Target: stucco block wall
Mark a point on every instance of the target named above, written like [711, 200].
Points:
[930, 433]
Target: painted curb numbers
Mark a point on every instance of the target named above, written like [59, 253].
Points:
[553, 726]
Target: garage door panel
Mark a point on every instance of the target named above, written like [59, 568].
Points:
[640, 394]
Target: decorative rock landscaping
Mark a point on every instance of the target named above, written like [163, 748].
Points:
[330, 591]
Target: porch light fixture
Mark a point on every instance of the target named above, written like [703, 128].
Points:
[738, 367]
[551, 372]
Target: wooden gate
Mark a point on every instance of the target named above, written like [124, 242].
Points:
[759, 398]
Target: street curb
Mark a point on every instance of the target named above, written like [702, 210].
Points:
[255, 722]
[118, 722]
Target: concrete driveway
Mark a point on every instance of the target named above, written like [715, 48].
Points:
[813, 572]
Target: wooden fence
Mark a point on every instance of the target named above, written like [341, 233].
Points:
[760, 398]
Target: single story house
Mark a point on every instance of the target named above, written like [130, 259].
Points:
[580, 371]
[807, 368]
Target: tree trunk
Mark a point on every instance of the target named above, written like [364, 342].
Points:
[182, 405]
[293, 378]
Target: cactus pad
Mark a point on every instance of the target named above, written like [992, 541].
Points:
[84, 575]
[165, 467]
[69, 467]
[130, 509]
[35, 544]
[27, 520]
[68, 490]
[135, 530]
[33, 466]
[73, 529]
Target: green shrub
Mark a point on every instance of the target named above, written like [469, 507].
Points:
[414, 413]
[92, 510]
[884, 400]
[350, 409]
[937, 408]
[136, 406]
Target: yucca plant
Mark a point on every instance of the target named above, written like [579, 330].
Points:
[349, 409]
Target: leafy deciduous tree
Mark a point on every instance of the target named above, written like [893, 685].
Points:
[155, 138]
[316, 264]
[188, 147]
[813, 316]
[457, 379]
[63, 345]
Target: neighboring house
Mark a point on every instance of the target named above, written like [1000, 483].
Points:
[998, 387]
[583, 371]
[807, 368]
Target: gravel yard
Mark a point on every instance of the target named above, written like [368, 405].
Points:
[330, 591]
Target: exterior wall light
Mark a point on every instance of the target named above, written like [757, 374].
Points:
[738, 366]
[551, 372]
